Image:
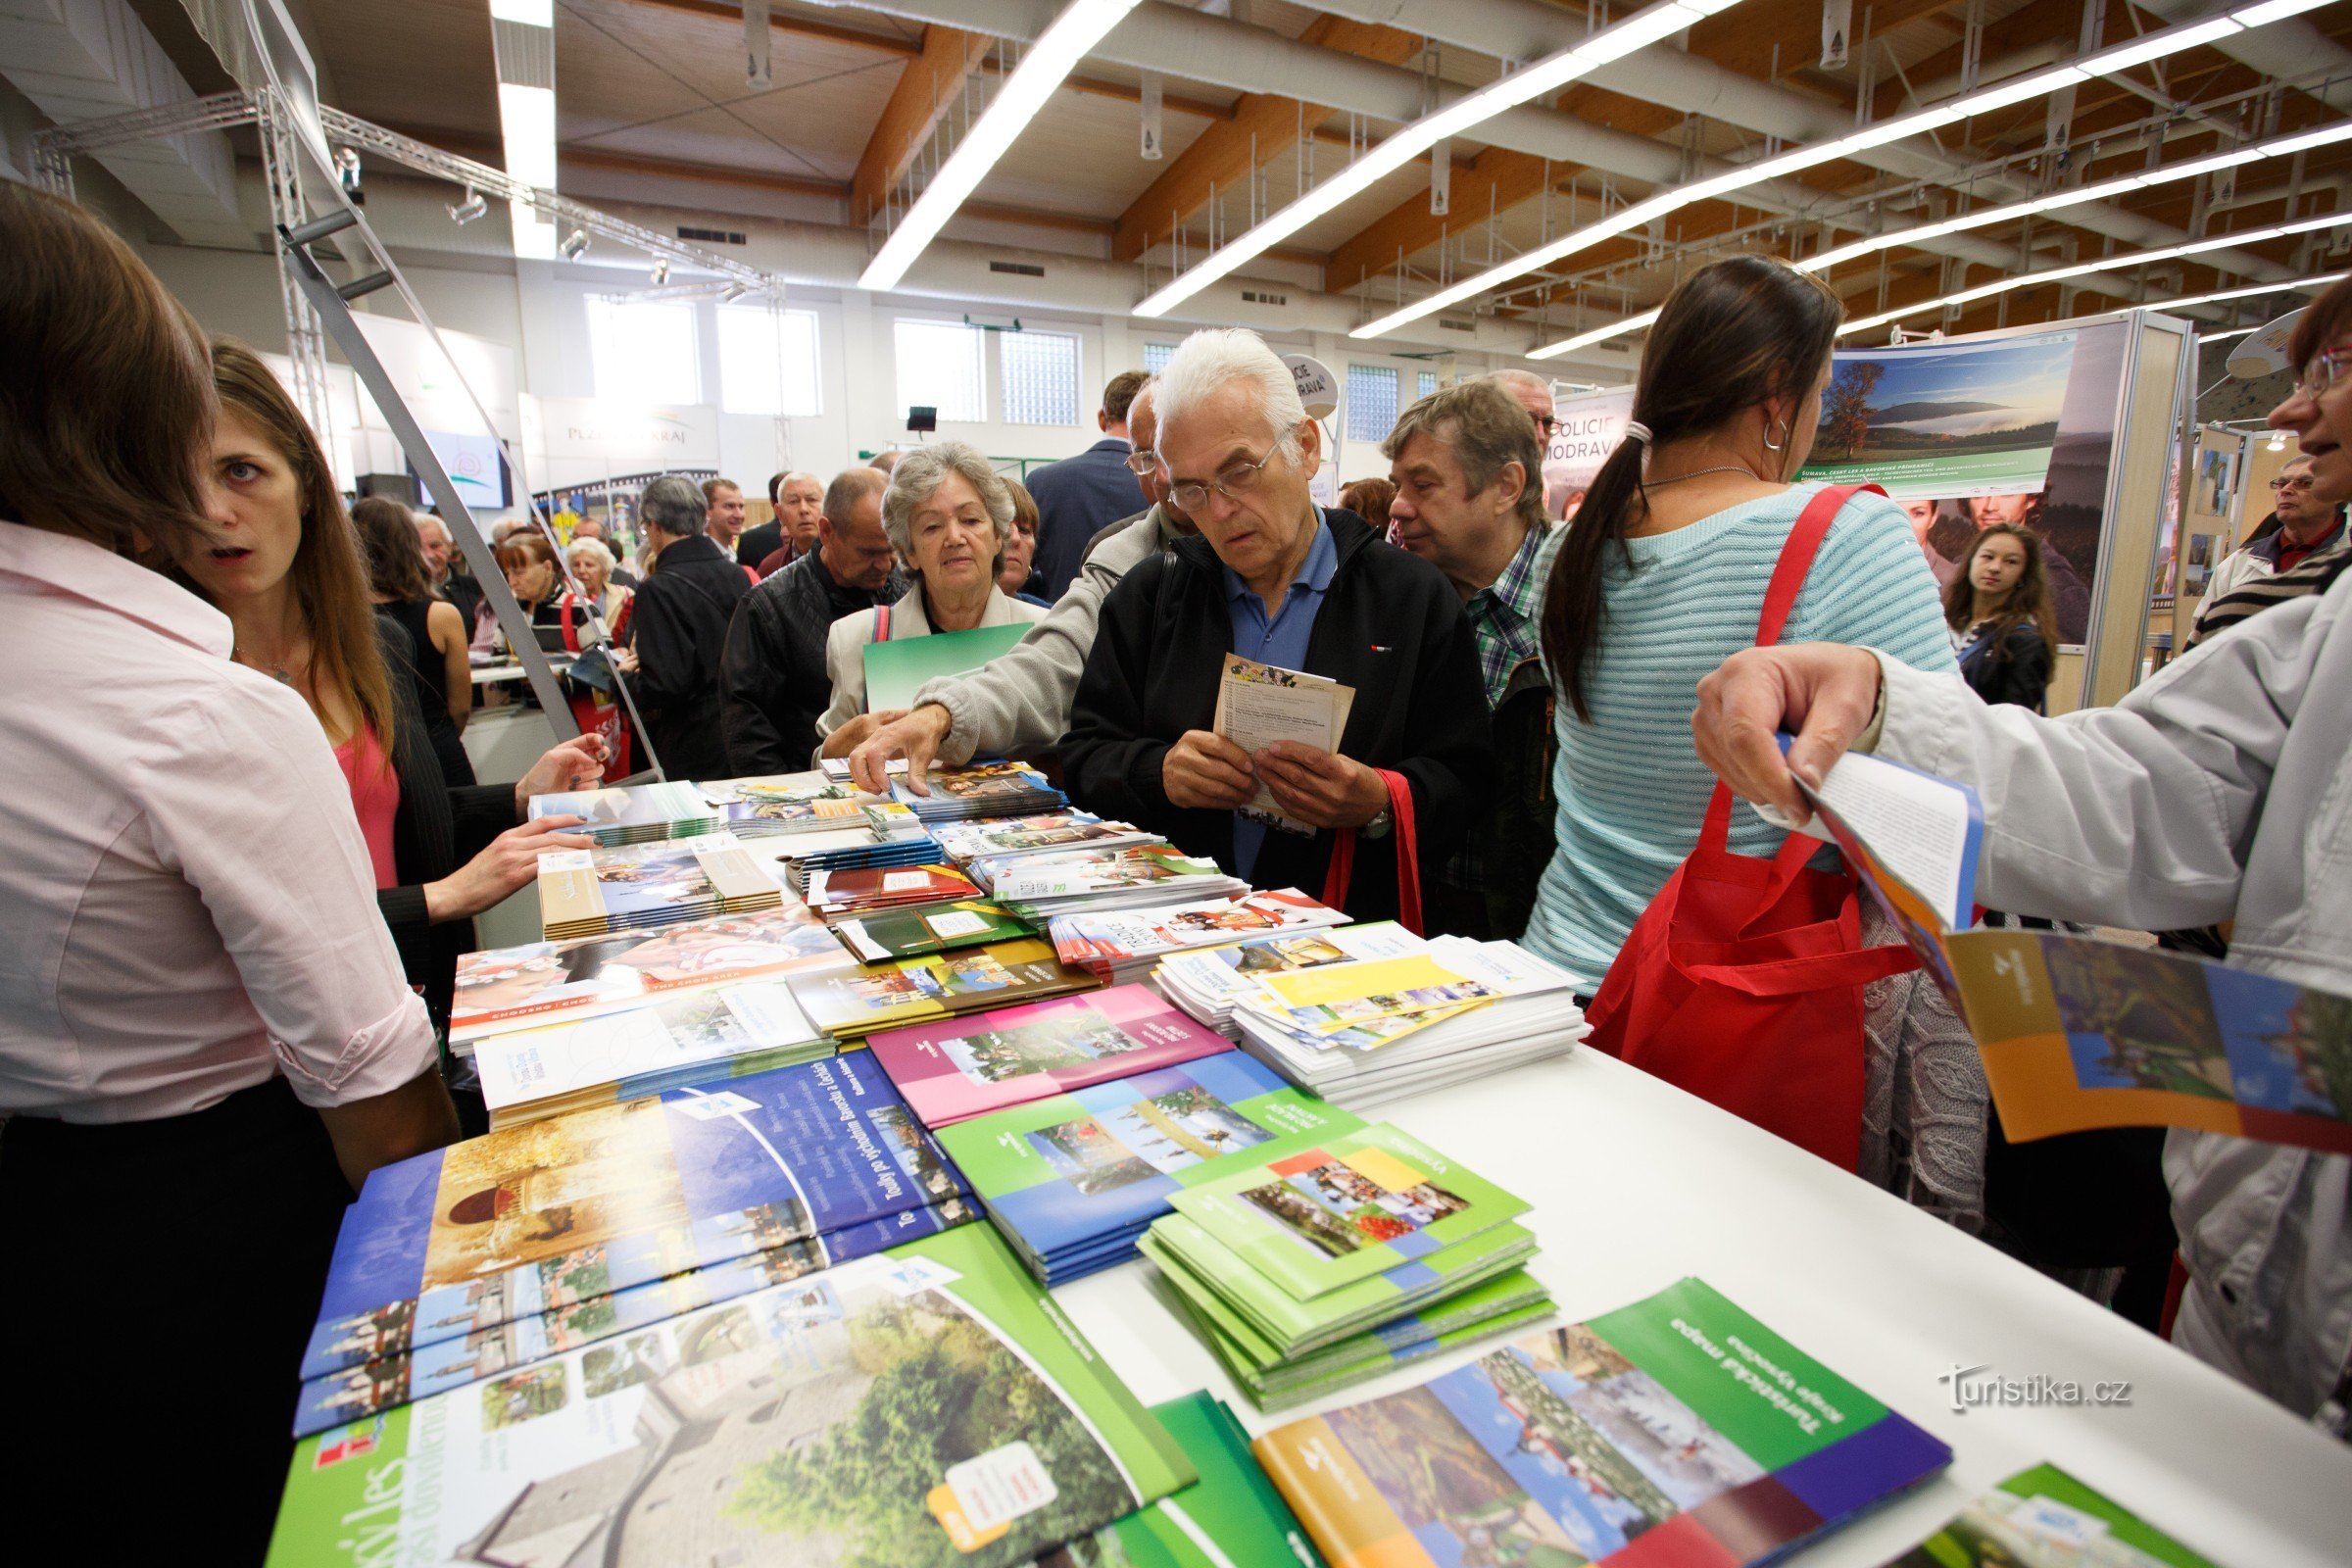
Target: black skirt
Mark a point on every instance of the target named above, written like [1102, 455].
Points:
[161, 1278]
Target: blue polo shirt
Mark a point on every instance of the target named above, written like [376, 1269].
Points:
[1280, 641]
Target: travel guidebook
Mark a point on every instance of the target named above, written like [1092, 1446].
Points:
[336, 1398]
[1073, 1180]
[939, 985]
[591, 892]
[673, 1039]
[632, 813]
[1124, 945]
[981, 789]
[2079, 1032]
[1346, 1209]
[1677, 1430]
[538, 1216]
[540, 983]
[920, 928]
[1259, 705]
[2044, 1518]
[1012, 1056]
[928, 1407]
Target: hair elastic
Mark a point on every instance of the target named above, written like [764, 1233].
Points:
[1636, 430]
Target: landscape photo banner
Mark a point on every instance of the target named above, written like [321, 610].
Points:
[1944, 420]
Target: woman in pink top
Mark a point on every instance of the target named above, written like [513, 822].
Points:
[206, 1041]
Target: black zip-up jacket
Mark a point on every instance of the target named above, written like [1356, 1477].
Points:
[1391, 626]
[2017, 671]
[773, 678]
[680, 631]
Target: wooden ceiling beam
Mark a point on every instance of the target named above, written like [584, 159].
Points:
[927, 88]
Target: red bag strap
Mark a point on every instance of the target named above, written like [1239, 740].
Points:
[1405, 831]
[571, 639]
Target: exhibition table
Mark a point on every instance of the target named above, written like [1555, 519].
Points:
[1636, 1184]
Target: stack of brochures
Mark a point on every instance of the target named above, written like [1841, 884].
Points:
[1207, 982]
[700, 1035]
[801, 803]
[862, 851]
[911, 930]
[1073, 1180]
[1046, 833]
[540, 983]
[1123, 946]
[920, 1407]
[935, 986]
[1005, 1057]
[855, 889]
[1335, 1260]
[1370, 1030]
[1677, 1430]
[633, 813]
[470, 1259]
[592, 892]
[984, 789]
[1080, 881]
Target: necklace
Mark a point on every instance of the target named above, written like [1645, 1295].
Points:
[278, 673]
[1677, 478]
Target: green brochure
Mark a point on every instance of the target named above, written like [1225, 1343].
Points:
[2044, 1518]
[896, 670]
[1357, 1205]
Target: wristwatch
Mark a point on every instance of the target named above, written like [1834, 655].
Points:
[1378, 827]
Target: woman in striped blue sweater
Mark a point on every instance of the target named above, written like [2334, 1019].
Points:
[1661, 577]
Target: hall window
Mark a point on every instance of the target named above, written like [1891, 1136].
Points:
[1371, 401]
[1424, 383]
[1157, 357]
[941, 366]
[1038, 374]
[768, 362]
[643, 350]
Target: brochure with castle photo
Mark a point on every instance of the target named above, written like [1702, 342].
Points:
[1677, 1430]
[1013, 1056]
[519, 1221]
[925, 1408]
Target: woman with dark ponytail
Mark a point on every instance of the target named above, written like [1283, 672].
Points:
[1661, 576]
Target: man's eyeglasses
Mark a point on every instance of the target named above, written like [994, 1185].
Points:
[2326, 368]
[1547, 425]
[1141, 460]
[2301, 481]
[1230, 480]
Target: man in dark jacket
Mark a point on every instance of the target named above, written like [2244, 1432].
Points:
[1276, 578]
[680, 619]
[1078, 495]
[774, 676]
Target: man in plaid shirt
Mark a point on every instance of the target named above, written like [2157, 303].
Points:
[1468, 471]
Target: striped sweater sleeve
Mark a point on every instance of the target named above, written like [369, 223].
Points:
[1871, 587]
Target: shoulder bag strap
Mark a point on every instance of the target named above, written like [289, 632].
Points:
[1404, 828]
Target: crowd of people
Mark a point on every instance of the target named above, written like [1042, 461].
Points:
[245, 841]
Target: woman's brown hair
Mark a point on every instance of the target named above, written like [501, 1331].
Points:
[1370, 500]
[1730, 336]
[330, 586]
[2028, 600]
[389, 550]
[106, 400]
[528, 547]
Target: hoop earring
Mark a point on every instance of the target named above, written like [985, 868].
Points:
[1787, 427]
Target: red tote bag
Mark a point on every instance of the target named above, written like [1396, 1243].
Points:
[1743, 980]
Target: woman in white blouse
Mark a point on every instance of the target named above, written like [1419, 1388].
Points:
[949, 519]
[206, 1042]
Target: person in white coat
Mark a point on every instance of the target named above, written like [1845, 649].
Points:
[2213, 792]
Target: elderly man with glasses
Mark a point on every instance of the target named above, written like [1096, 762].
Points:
[1276, 578]
[2306, 527]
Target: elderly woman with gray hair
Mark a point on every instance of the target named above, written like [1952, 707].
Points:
[679, 629]
[949, 519]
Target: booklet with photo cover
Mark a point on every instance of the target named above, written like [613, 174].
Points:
[881, 935]
[1063, 874]
[545, 982]
[1260, 704]
[1062, 1172]
[676, 1038]
[1200, 1263]
[936, 985]
[1106, 940]
[631, 814]
[2079, 1032]
[1232, 1517]
[1352, 1207]
[1677, 1430]
[2044, 1518]
[588, 891]
[336, 1398]
[515, 1222]
[1046, 833]
[928, 1407]
[798, 803]
[1013, 1056]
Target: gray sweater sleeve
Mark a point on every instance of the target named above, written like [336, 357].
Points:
[1020, 701]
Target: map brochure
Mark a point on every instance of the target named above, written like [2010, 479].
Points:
[937, 985]
[1349, 1208]
[1078, 1176]
[1677, 1430]
[911, 930]
[515, 1222]
[925, 1408]
[673, 1039]
[1013, 1056]
[2041, 1517]
[2077, 1031]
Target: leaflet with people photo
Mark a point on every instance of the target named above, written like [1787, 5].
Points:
[2079, 1032]
[1259, 705]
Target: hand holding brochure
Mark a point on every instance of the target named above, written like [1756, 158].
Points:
[1259, 705]
[2081, 1032]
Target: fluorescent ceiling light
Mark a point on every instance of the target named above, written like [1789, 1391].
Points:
[531, 13]
[1410, 141]
[526, 118]
[2000, 95]
[1056, 54]
[1599, 335]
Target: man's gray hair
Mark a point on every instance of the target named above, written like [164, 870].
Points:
[918, 477]
[1521, 379]
[425, 520]
[673, 505]
[1210, 360]
[1486, 429]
